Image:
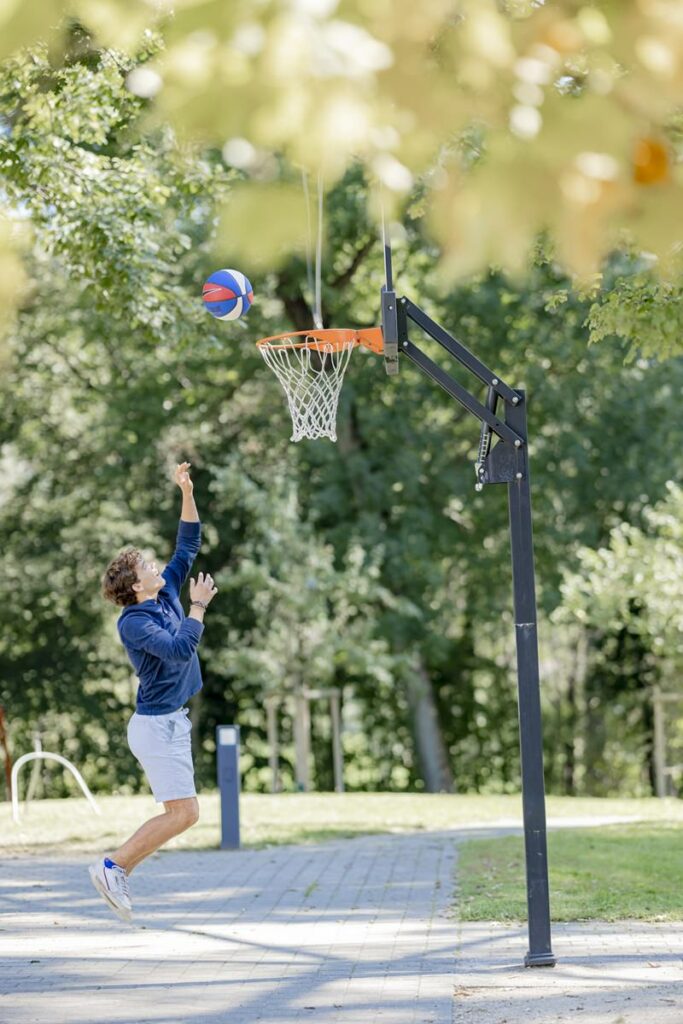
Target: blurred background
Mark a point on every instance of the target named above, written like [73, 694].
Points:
[526, 160]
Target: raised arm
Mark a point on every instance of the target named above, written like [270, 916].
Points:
[189, 533]
[188, 512]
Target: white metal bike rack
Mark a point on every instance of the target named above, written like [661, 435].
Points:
[25, 758]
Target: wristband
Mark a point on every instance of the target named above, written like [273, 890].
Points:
[202, 604]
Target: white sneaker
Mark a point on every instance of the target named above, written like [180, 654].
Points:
[111, 882]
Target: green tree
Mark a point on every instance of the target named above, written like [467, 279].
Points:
[303, 623]
[102, 356]
[626, 594]
[115, 371]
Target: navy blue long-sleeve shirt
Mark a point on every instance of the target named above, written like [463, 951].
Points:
[160, 641]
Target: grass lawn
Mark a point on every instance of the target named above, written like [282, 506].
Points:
[70, 825]
[608, 873]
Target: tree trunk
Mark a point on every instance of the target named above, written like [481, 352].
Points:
[302, 742]
[651, 753]
[429, 743]
[577, 677]
[273, 733]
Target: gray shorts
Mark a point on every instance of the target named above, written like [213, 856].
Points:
[162, 745]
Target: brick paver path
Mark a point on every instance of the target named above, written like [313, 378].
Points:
[354, 931]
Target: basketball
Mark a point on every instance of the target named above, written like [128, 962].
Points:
[227, 294]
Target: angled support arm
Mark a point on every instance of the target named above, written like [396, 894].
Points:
[500, 464]
[458, 350]
[461, 394]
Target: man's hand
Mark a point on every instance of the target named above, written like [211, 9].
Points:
[203, 590]
[182, 478]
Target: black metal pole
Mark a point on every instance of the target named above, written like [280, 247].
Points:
[528, 682]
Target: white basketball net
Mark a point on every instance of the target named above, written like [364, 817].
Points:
[312, 374]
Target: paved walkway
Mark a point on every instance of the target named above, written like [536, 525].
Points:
[624, 973]
[355, 931]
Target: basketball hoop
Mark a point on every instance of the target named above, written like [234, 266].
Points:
[310, 366]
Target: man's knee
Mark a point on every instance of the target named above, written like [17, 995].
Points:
[185, 813]
[193, 812]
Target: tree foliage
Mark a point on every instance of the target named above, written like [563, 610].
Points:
[626, 595]
[113, 372]
[635, 581]
[562, 116]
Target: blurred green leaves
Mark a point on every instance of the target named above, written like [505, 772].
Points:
[250, 233]
[578, 105]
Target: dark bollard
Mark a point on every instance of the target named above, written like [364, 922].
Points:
[228, 770]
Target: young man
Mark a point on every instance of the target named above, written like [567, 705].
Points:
[162, 646]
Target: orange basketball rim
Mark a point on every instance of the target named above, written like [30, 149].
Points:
[310, 366]
[330, 339]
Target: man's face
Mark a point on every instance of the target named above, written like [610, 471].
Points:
[150, 580]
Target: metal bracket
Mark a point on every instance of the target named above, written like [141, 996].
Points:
[501, 466]
[390, 331]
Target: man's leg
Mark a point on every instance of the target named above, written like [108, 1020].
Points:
[178, 816]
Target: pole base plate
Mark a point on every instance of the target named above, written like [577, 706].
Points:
[539, 960]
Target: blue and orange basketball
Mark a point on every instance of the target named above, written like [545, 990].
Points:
[227, 294]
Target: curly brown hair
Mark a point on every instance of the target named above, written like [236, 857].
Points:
[118, 580]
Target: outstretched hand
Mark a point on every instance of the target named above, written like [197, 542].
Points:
[203, 588]
[183, 479]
